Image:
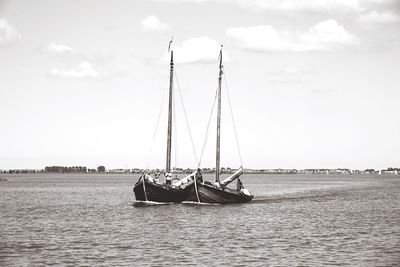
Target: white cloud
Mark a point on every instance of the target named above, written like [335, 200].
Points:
[301, 5]
[197, 50]
[8, 33]
[152, 23]
[59, 48]
[323, 36]
[326, 35]
[375, 17]
[85, 70]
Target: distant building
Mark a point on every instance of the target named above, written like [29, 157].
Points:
[357, 172]
[119, 171]
[136, 170]
[390, 171]
[370, 171]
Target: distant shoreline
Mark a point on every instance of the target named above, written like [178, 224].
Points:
[319, 172]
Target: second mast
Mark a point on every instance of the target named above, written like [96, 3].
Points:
[169, 132]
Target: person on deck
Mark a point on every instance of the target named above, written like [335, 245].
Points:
[168, 178]
[199, 176]
[157, 176]
[239, 185]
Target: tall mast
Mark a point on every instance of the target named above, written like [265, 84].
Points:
[169, 132]
[218, 154]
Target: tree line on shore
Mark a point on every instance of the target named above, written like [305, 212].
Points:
[83, 169]
[59, 169]
[102, 169]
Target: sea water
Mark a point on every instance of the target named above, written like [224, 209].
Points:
[94, 220]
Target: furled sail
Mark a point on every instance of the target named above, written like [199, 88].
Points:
[232, 178]
[185, 181]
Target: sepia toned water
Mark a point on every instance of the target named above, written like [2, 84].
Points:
[93, 220]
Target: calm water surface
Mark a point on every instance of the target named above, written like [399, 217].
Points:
[301, 220]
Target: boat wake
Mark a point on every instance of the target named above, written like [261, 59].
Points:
[289, 198]
[319, 197]
[192, 203]
[140, 203]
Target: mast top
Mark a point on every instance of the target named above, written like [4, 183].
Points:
[170, 42]
[171, 50]
[220, 57]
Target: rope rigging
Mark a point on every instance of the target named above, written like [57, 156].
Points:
[198, 160]
[155, 131]
[233, 121]
[174, 126]
[208, 127]
[186, 118]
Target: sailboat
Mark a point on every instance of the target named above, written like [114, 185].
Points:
[148, 188]
[218, 192]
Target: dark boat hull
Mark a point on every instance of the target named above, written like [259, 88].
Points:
[158, 192]
[208, 193]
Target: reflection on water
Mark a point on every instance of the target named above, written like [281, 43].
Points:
[293, 220]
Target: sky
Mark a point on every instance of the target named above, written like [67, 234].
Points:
[312, 83]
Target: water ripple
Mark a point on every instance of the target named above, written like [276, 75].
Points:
[293, 220]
